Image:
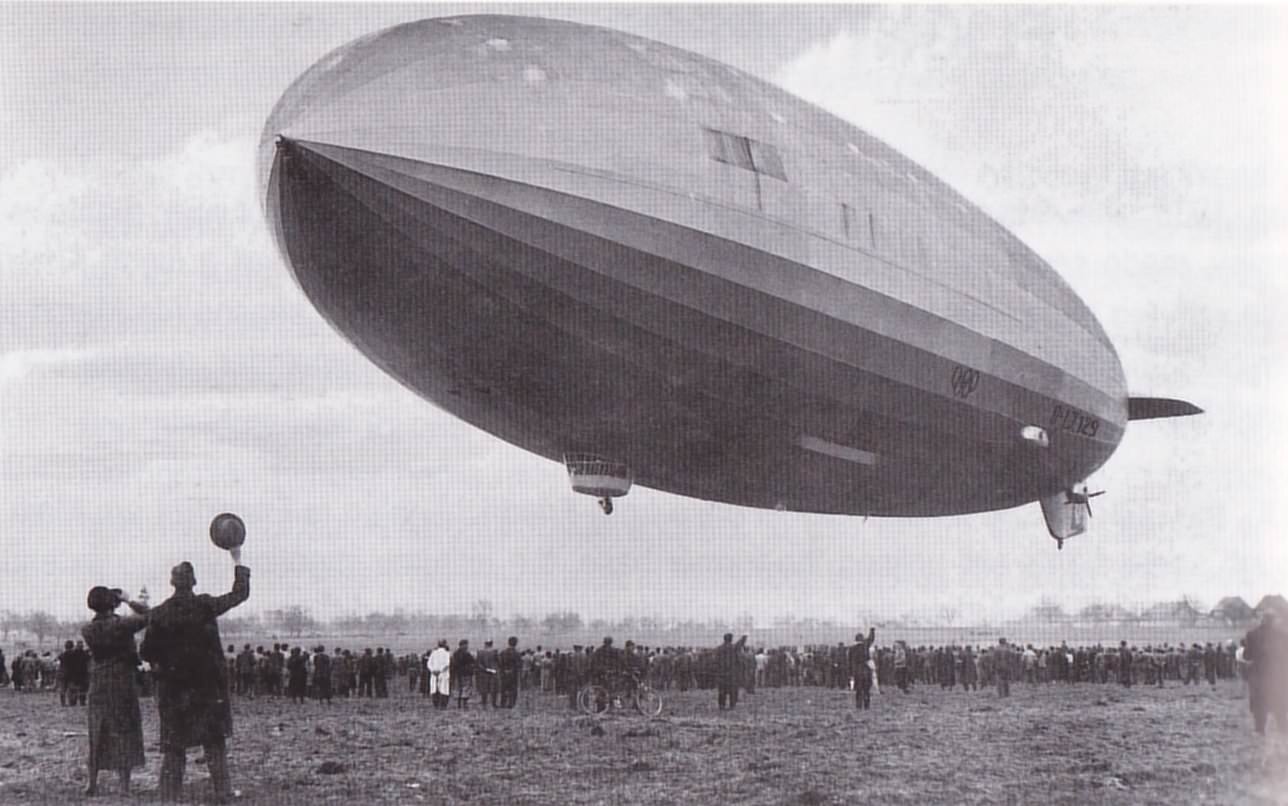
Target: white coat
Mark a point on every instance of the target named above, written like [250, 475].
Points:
[440, 676]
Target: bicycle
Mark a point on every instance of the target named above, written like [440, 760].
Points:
[616, 692]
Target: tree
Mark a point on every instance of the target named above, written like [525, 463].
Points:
[9, 622]
[1125, 613]
[1047, 612]
[375, 623]
[40, 624]
[1096, 613]
[351, 624]
[397, 622]
[481, 614]
[1189, 609]
[239, 625]
[562, 622]
[293, 620]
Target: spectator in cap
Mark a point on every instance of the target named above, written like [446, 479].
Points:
[860, 655]
[1002, 660]
[728, 667]
[322, 674]
[462, 666]
[509, 667]
[183, 646]
[485, 677]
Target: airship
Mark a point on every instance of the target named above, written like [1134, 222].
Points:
[657, 269]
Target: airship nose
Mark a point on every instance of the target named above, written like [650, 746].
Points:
[418, 90]
[270, 146]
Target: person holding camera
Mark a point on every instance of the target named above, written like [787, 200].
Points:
[115, 724]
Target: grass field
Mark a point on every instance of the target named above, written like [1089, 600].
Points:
[1049, 744]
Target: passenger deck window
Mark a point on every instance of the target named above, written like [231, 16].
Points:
[766, 160]
[745, 153]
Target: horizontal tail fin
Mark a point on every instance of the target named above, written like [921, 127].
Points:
[1150, 408]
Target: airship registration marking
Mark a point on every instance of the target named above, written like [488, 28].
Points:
[1074, 421]
[838, 451]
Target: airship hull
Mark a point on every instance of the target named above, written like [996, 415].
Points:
[719, 349]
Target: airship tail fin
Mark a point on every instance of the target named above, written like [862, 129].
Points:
[1149, 408]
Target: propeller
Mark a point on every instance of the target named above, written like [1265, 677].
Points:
[1072, 497]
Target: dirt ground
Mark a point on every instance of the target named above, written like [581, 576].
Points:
[1048, 744]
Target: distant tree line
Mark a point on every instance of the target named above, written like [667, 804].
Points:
[298, 621]
[1187, 611]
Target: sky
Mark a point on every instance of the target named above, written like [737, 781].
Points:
[158, 365]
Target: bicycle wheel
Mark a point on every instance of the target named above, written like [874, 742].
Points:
[647, 701]
[592, 700]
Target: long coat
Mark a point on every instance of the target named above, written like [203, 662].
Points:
[183, 646]
[486, 668]
[115, 724]
[440, 671]
[509, 664]
[1265, 649]
[728, 663]
[461, 669]
[860, 655]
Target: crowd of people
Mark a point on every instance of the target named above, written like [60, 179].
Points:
[462, 673]
[863, 667]
[496, 677]
[193, 675]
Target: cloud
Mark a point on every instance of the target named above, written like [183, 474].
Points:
[16, 365]
[71, 222]
[38, 190]
[1034, 112]
[1134, 149]
[39, 233]
[207, 172]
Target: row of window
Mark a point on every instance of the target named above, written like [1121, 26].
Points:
[743, 152]
[862, 228]
[763, 158]
[858, 225]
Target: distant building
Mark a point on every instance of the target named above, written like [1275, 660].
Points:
[1233, 610]
[1176, 612]
[1274, 602]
